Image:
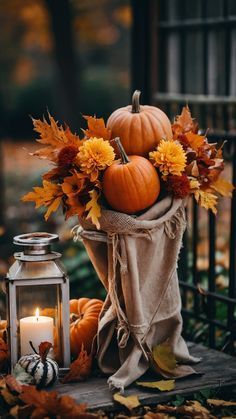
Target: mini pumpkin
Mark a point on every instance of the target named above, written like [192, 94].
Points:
[84, 314]
[132, 184]
[140, 128]
[44, 370]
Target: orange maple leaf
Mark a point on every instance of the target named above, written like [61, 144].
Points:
[50, 404]
[96, 128]
[94, 208]
[195, 141]
[206, 199]
[54, 136]
[49, 195]
[80, 369]
[184, 123]
[223, 187]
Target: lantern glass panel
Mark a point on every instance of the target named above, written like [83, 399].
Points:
[44, 325]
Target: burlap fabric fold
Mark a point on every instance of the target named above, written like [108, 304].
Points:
[136, 260]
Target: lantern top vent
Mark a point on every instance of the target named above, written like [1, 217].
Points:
[36, 246]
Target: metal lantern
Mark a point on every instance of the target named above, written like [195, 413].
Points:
[38, 299]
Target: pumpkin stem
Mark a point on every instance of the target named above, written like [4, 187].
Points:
[124, 158]
[32, 346]
[135, 101]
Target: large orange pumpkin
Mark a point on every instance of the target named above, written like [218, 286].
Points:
[84, 314]
[140, 128]
[132, 184]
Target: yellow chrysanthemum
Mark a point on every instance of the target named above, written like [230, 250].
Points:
[94, 155]
[169, 157]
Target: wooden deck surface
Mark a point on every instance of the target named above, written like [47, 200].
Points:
[218, 369]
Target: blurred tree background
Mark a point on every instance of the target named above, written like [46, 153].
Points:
[70, 57]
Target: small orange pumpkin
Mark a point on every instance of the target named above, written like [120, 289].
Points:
[132, 184]
[84, 314]
[140, 128]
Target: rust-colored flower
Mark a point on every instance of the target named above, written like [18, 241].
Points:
[178, 185]
[95, 155]
[169, 157]
[67, 155]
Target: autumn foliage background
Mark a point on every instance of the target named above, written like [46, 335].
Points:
[71, 58]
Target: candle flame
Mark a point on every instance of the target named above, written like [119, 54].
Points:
[37, 313]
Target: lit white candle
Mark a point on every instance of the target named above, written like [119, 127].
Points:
[36, 329]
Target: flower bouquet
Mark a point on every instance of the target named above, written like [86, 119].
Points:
[128, 181]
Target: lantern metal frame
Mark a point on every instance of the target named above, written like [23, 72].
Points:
[37, 249]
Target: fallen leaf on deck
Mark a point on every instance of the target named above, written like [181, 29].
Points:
[162, 385]
[13, 384]
[220, 403]
[164, 357]
[191, 409]
[130, 402]
[80, 369]
[9, 397]
[50, 404]
[152, 415]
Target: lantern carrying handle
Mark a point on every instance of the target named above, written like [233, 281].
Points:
[34, 239]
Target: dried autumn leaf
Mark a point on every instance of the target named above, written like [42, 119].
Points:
[190, 409]
[80, 369]
[96, 128]
[184, 123]
[223, 187]
[54, 136]
[50, 404]
[93, 208]
[44, 348]
[130, 402]
[164, 357]
[195, 141]
[152, 415]
[12, 384]
[49, 195]
[220, 403]
[9, 397]
[162, 385]
[206, 200]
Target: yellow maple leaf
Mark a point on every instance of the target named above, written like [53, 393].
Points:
[96, 128]
[164, 357]
[54, 136]
[195, 140]
[162, 385]
[49, 195]
[223, 187]
[130, 402]
[93, 208]
[206, 199]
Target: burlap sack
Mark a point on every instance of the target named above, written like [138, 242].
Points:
[136, 260]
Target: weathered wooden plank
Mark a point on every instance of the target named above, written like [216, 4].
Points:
[218, 369]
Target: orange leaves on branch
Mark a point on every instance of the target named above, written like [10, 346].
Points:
[54, 136]
[195, 141]
[49, 195]
[80, 369]
[96, 128]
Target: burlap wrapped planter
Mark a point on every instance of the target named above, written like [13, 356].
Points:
[136, 260]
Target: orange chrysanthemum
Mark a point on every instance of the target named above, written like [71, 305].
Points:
[95, 155]
[169, 157]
